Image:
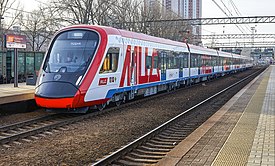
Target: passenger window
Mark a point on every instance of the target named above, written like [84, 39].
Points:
[110, 62]
[148, 62]
[156, 62]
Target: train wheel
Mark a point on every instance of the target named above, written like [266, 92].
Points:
[100, 107]
[118, 103]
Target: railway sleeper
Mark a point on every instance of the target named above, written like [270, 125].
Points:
[4, 134]
[171, 137]
[141, 160]
[173, 129]
[144, 147]
[174, 133]
[180, 125]
[125, 162]
[178, 129]
[153, 145]
[150, 156]
[167, 139]
[143, 155]
[149, 152]
[13, 131]
[162, 142]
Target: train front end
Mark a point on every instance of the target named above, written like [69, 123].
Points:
[68, 69]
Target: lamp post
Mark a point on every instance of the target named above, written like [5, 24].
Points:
[1, 33]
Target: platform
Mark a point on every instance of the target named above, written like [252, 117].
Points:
[10, 94]
[241, 133]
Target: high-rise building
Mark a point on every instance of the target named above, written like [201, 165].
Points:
[152, 3]
[184, 8]
[188, 9]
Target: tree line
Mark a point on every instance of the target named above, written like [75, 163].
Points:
[40, 24]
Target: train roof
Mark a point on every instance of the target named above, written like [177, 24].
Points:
[202, 50]
[128, 34]
[104, 30]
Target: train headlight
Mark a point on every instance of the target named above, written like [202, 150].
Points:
[78, 80]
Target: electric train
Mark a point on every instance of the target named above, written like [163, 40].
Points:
[89, 66]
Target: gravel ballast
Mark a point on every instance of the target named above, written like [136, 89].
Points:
[84, 142]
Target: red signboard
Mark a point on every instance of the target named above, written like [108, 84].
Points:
[103, 81]
[16, 41]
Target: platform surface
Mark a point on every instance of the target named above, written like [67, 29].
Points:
[241, 133]
[10, 94]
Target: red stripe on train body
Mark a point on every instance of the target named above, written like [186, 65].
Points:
[133, 67]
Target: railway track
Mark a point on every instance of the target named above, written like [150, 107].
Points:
[28, 130]
[25, 129]
[154, 145]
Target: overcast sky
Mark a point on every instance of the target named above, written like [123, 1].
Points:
[246, 8]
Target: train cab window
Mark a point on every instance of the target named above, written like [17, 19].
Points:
[110, 62]
[71, 51]
[148, 62]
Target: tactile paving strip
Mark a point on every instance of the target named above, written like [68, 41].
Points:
[237, 148]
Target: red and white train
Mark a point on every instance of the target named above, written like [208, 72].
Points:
[90, 66]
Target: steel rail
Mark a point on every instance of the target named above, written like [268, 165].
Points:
[126, 149]
[5, 137]
[17, 132]
[58, 122]
[24, 123]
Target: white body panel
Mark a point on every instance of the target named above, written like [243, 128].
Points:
[217, 68]
[194, 71]
[172, 74]
[185, 72]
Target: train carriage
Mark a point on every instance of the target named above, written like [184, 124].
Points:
[91, 66]
[203, 63]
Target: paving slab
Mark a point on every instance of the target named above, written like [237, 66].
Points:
[240, 133]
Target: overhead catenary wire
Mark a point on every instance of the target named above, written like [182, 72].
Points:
[239, 14]
[226, 14]
[230, 13]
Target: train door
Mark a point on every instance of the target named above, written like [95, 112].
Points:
[133, 80]
[163, 56]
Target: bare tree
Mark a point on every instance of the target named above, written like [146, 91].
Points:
[8, 6]
[5, 5]
[128, 14]
[39, 27]
[82, 11]
[125, 14]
